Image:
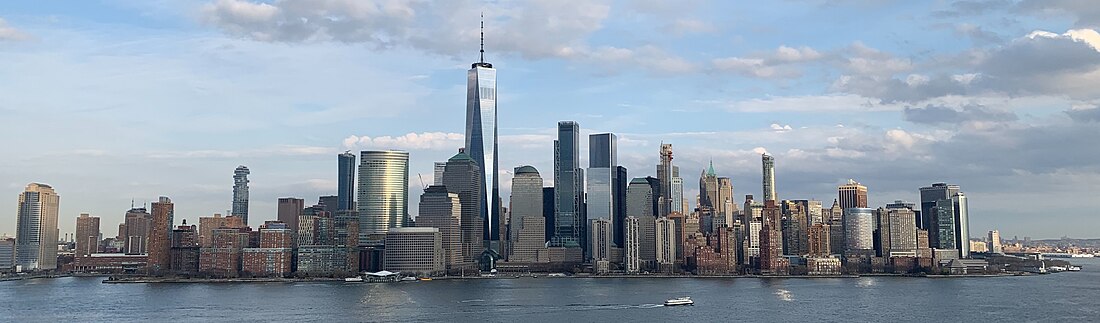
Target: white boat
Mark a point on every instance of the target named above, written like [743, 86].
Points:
[408, 279]
[1073, 268]
[679, 301]
[355, 279]
[1056, 268]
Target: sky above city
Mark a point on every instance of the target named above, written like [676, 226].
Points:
[113, 101]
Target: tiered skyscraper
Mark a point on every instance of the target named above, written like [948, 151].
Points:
[462, 176]
[36, 228]
[481, 140]
[240, 194]
[528, 233]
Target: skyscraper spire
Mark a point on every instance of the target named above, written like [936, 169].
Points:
[482, 59]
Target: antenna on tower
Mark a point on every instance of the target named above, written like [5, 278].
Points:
[482, 59]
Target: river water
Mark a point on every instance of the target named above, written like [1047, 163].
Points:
[1073, 297]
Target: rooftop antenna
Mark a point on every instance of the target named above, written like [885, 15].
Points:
[482, 59]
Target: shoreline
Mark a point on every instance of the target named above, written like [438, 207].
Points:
[154, 280]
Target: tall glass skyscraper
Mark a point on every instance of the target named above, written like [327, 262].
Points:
[568, 186]
[240, 193]
[944, 213]
[606, 186]
[383, 192]
[769, 177]
[345, 183]
[36, 228]
[481, 140]
[601, 176]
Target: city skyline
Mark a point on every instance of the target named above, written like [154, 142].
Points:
[892, 157]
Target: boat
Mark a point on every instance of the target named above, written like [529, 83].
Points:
[425, 278]
[1073, 268]
[679, 301]
[409, 279]
[355, 279]
[1057, 268]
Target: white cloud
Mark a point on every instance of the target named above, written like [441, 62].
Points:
[780, 128]
[409, 141]
[780, 64]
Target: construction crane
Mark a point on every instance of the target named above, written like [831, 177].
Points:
[421, 180]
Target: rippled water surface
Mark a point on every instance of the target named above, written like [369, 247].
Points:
[1066, 296]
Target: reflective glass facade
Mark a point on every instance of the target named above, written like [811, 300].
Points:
[383, 192]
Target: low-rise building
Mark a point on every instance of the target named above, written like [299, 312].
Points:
[414, 250]
[823, 266]
[110, 263]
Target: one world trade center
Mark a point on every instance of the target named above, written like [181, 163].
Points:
[481, 145]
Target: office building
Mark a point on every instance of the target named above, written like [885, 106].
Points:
[568, 187]
[36, 228]
[852, 195]
[642, 195]
[995, 242]
[383, 192]
[289, 210]
[665, 176]
[345, 182]
[442, 210]
[481, 144]
[461, 177]
[240, 194]
[87, 235]
[941, 224]
[814, 212]
[769, 177]
[437, 172]
[678, 203]
[414, 250]
[818, 240]
[606, 183]
[859, 230]
[159, 245]
[528, 223]
[7, 254]
[898, 232]
[726, 207]
[942, 235]
[794, 226]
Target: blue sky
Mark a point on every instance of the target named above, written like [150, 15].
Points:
[115, 100]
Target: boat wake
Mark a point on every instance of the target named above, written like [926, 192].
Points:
[784, 295]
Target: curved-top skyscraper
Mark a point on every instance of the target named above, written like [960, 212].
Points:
[481, 140]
